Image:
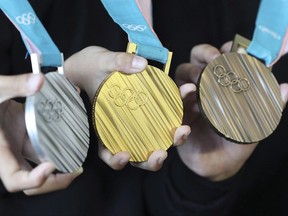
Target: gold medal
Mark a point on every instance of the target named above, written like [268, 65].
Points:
[138, 113]
[240, 97]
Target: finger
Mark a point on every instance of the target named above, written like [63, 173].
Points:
[203, 54]
[284, 92]
[99, 59]
[226, 47]
[187, 89]
[78, 90]
[154, 162]
[126, 62]
[55, 182]
[187, 73]
[19, 85]
[89, 67]
[119, 61]
[29, 153]
[24, 179]
[117, 161]
[181, 135]
[16, 173]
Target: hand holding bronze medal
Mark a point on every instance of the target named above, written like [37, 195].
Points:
[138, 113]
[55, 117]
[240, 96]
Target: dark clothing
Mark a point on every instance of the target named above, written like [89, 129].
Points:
[260, 188]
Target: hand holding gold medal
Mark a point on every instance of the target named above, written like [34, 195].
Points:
[138, 113]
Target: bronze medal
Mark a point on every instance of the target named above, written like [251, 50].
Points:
[240, 97]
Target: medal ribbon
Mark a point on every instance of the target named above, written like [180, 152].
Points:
[134, 20]
[34, 35]
[270, 39]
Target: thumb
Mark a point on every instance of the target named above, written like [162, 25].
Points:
[19, 85]
[120, 61]
[226, 47]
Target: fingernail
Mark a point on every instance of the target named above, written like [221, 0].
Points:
[184, 137]
[122, 162]
[33, 82]
[214, 57]
[160, 161]
[79, 171]
[138, 62]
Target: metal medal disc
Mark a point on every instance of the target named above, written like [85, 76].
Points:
[138, 113]
[240, 97]
[57, 123]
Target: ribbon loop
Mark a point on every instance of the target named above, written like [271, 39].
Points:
[270, 39]
[128, 15]
[34, 35]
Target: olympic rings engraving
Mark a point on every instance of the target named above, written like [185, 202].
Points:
[231, 79]
[26, 19]
[127, 97]
[51, 111]
[134, 27]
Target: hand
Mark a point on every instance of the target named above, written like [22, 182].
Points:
[15, 172]
[95, 64]
[204, 152]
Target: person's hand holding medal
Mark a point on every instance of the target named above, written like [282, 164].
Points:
[238, 100]
[138, 117]
[55, 116]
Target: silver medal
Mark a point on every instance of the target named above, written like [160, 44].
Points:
[57, 123]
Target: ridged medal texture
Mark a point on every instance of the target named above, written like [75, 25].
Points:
[240, 97]
[138, 113]
[57, 123]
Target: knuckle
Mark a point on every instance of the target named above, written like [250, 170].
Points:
[122, 61]
[28, 193]
[65, 184]
[20, 84]
[101, 155]
[155, 168]
[38, 182]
